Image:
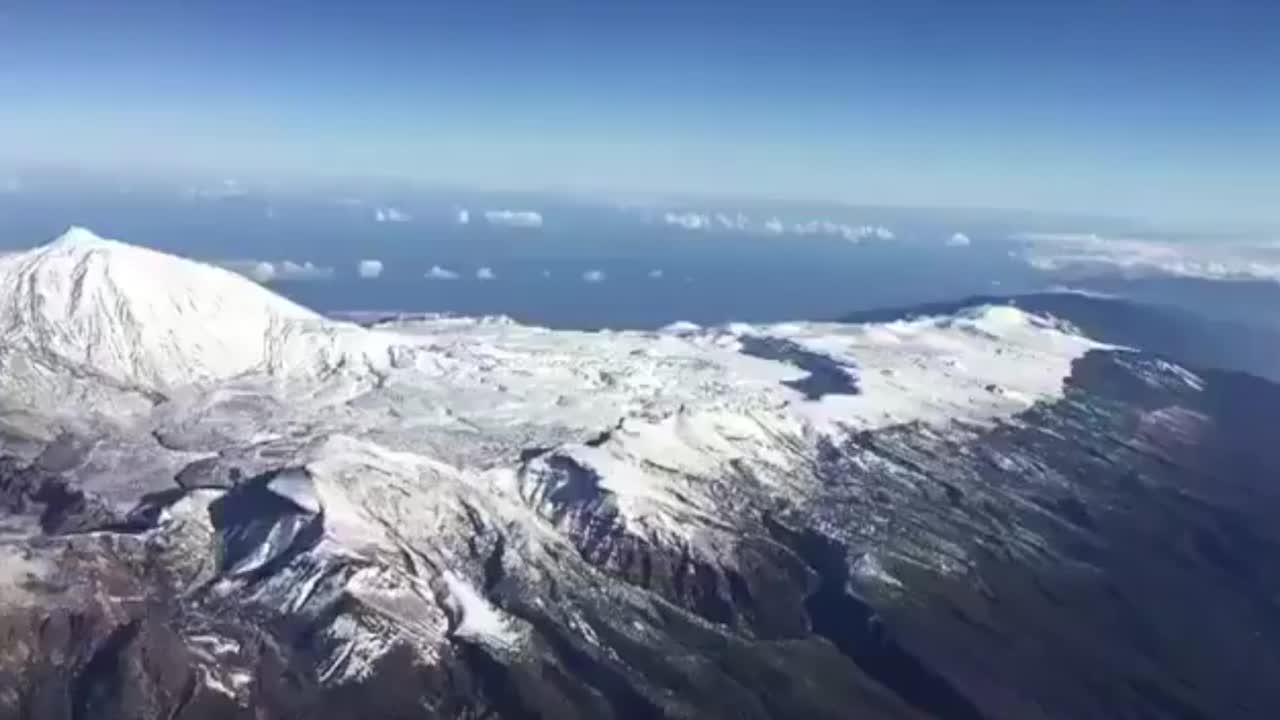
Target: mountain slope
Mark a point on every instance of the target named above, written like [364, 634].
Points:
[112, 327]
[136, 316]
[1162, 329]
[973, 514]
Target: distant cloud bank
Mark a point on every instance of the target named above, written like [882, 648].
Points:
[513, 218]
[289, 270]
[265, 271]
[390, 215]
[852, 233]
[1081, 253]
[438, 273]
[708, 221]
[688, 220]
[369, 268]
[774, 226]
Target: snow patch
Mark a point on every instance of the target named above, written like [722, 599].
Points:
[296, 486]
[868, 568]
[978, 366]
[477, 619]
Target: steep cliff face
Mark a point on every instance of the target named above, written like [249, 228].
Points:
[977, 514]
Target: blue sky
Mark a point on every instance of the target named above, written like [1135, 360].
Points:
[1163, 110]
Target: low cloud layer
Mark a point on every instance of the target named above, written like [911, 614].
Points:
[1084, 254]
[265, 271]
[438, 273]
[852, 233]
[733, 222]
[688, 220]
[390, 215]
[514, 218]
[485, 273]
[369, 268]
[958, 240]
[775, 226]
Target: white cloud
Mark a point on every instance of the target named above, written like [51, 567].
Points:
[735, 222]
[774, 226]
[438, 273]
[390, 215]
[259, 270]
[958, 240]
[485, 273]
[867, 232]
[819, 227]
[514, 218]
[289, 270]
[874, 232]
[1137, 257]
[655, 274]
[1082, 292]
[265, 271]
[593, 276]
[463, 216]
[688, 220]
[852, 233]
[369, 268]
[710, 221]
[546, 273]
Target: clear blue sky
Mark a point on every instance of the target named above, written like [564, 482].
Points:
[1166, 109]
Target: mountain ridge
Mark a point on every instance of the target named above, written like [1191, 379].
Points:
[978, 514]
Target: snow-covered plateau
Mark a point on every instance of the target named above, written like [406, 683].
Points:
[217, 503]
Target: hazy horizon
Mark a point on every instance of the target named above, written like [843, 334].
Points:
[572, 262]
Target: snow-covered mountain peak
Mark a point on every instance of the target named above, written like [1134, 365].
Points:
[83, 305]
[82, 237]
[78, 236]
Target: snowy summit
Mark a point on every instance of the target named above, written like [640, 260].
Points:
[136, 316]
